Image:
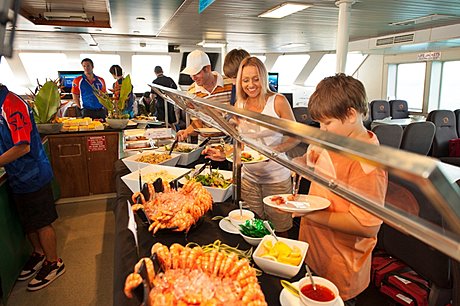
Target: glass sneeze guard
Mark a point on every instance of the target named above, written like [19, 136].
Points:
[420, 201]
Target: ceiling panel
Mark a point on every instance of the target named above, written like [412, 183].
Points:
[236, 22]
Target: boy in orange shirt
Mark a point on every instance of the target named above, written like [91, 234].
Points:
[343, 236]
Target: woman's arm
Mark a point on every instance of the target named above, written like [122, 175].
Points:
[284, 111]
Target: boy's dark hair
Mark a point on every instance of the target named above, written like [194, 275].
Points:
[335, 95]
[88, 60]
[146, 94]
[232, 62]
[116, 70]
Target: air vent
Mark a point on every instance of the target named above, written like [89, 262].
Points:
[65, 16]
[404, 38]
[398, 39]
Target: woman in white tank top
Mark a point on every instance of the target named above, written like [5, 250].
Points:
[264, 178]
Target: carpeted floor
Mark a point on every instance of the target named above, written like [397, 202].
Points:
[85, 243]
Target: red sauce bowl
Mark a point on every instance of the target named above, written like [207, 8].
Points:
[326, 293]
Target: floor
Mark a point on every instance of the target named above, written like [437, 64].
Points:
[85, 242]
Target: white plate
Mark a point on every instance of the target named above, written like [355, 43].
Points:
[288, 299]
[312, 203]
[228, 227]
[208, 130]
[257, 157]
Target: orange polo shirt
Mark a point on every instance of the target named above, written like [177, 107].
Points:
[342, 258]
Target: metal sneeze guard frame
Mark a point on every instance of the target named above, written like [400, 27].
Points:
[423, 171]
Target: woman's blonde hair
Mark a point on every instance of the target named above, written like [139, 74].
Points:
[335, 95]
[241, 96]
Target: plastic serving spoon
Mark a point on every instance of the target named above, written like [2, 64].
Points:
[310, 276]
[269, 228]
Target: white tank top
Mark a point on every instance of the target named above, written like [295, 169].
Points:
[268, 172]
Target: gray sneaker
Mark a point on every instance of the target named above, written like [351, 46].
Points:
[32, 266]
[47, 274]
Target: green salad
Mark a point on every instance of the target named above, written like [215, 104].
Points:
[215, 179]
[255, 228]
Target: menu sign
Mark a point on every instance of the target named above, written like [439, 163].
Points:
[96, 143]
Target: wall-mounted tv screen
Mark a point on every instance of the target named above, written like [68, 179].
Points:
[273, 81]
[66, 78]
[185, 79]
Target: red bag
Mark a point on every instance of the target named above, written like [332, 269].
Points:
[382, 264]
[406, 287]
[454, 147]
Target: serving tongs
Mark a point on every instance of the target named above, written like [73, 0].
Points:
[201, 169]
[204, 142]
[174, 144]
[174, 184]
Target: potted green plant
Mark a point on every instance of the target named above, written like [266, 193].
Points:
[116, 105]
[45, 102]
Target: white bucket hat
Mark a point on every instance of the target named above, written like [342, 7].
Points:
[196, 60]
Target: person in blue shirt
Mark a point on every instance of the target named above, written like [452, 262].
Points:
[82, 91]
[29, 176]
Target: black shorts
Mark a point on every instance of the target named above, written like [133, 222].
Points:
[36, 209]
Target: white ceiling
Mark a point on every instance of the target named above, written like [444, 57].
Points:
[235, 22]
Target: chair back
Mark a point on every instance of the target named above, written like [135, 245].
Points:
[302, 115]
[418, 137]
[399, 109]
[389, 134]
[379, 109]
[457, 116]
[446, 129]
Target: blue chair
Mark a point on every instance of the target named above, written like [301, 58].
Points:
[446, 129]
[418, 137]
[389, 134]
[379, 109]
[399, 109]
[457, 116]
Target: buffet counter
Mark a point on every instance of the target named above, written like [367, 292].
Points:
[206, 232]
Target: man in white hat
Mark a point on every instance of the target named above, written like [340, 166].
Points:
[207, 84]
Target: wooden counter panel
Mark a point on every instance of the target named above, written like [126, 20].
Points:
[68, 157]
[100, 165]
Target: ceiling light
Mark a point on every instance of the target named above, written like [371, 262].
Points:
[89, 39]
[212, 44]
[140, 18]
[283, 10]
[422, 19]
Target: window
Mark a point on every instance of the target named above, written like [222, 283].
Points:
[102, 64]
[289, 67]
[143, 66]
[408, 83]
[450, 89]
[42, 66]
[8, 79]
[327, 67]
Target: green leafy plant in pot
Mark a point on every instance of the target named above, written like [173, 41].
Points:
[116, 105]
[45, 103]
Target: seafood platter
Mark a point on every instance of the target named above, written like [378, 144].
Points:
[194, 275]
[172, 209]
[189, 152]
[142, 160]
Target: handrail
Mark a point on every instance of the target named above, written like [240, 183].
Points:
[423, 171]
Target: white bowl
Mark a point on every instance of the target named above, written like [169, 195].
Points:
[132, 179]
[277, 268]
[250, 240]
[219, 195]
[117, 123]
[132, 163]
[235, 217]
[186, 158]
[322, 282]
